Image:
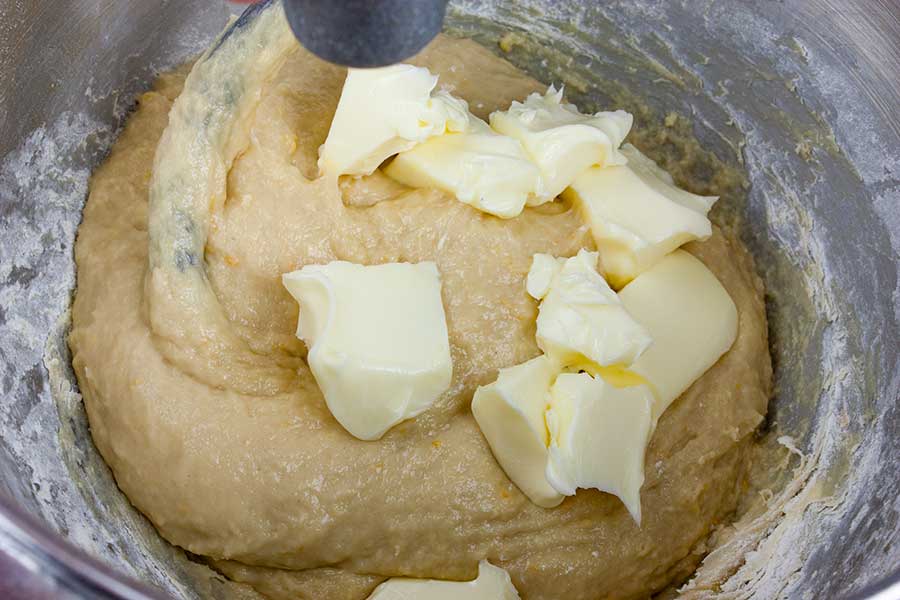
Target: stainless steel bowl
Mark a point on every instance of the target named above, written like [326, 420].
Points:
[804, 95]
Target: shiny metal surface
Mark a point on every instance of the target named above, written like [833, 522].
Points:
[803, 95]
[36, 563]
[365, 33]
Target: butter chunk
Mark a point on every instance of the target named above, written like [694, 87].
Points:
[493, 583]
[562, 141]
[580, 319]
[598, 437]
[377, 339]
[691, 317]
[488, 171]
[544, 269]
[637, 215]
[385, 111]
[510, 413]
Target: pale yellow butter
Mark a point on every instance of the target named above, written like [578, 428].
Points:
[377, 338]
[691, 317]
[637, 215]
[385, 111]
[493, 583]
[598, 436]
[541, 274]
[580, 318]
[510, 413]
[562, 141]
[484, 169]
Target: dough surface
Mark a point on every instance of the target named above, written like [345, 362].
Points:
[269, 487]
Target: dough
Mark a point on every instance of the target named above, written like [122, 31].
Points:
[263, 481]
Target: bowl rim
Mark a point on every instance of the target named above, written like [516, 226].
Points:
[42, 559]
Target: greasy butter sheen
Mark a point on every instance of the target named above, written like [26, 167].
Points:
[580, 318]
[377, 337]
[385, 111]
[510, 413]
[691, 317]
[637, 215]
[562, 141]
[480, 167]
[492, 583]
[598, 435]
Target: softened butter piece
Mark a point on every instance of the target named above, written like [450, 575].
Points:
[385, 111]
[488, 171]
[493, 583]
[540, 277]
[580, 318]
[691, 317]
[598, 437]
[562, 141]
[377, 339]
[637, 215]
[510, 413]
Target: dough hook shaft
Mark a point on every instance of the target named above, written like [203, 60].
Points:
[365, 33]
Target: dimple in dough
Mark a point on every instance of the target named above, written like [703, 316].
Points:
[201, 402]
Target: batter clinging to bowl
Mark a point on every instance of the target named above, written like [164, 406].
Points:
[202, 400]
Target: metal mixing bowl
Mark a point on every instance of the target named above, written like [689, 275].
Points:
[803, 95]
